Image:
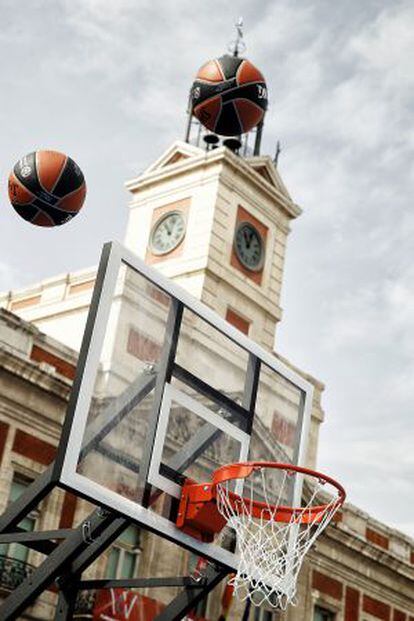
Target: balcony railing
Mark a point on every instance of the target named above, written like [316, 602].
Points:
[13, 572]
[85, 602]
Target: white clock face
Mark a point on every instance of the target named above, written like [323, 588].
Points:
[167, 233]
[249, 246]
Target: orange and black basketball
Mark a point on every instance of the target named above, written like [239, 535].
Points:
[229, 95]
[47, 188]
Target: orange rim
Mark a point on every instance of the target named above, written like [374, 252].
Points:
[280, 513]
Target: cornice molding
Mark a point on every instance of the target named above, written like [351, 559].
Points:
[31, 372]
[356, 543]
[208, 159]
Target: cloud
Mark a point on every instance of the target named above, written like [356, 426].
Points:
[349, 292]
[386, 47]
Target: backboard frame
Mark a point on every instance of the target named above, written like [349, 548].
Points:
[114, 255]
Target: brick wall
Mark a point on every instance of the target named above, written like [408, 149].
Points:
[4, 430]
[352, 601]
[63, 367]
[352, 597]
[376, 608]
[33, 448]
[237, 321]
[68, 510]
[327, 585]
[142, 346]
[377, 538]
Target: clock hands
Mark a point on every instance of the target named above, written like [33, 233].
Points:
[168, 232]
[249, 248]
[248, 235]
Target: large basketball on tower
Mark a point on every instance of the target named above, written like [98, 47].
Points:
[47, 188]
[229, 95]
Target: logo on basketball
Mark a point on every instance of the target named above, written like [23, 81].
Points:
[25, 171]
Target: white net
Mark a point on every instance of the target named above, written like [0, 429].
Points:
[271, 552]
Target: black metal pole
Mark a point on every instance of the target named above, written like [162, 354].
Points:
[28, 500]
[66, 603]
[246, 611]
[190, 597]
[258, 139]
[140, 583]
[250, 388]
[55, 564]
[189, 118]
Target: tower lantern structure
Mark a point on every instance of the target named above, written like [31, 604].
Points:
[212, 215]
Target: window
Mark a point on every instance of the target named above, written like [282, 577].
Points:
[258, 613]
[16, 550]
[124, 555]
[263, 614]
[321, 614]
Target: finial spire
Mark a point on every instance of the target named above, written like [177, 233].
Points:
[238, 46]
[278, 151]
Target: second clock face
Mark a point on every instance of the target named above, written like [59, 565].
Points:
[167, 233]
[249, 246]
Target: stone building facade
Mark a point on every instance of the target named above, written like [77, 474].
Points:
[360, 569]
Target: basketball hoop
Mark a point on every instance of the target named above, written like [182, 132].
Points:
[272, 537]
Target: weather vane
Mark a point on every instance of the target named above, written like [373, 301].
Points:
[238, 46]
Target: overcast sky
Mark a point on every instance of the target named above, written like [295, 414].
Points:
[107, 83]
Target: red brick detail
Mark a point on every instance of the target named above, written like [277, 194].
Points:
[238, 322]
[142, 346]
[61, 365]
[283, 430]
[33, 448]
[158, 295]
[376, 608]
[352, 597]
[375, 537]
[68, 511]
[327, 585]
[126, 491]
[17, 304]
[245, 216]
[4, 430]
[399, 616]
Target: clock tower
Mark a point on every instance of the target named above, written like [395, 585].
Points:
[217, 224]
